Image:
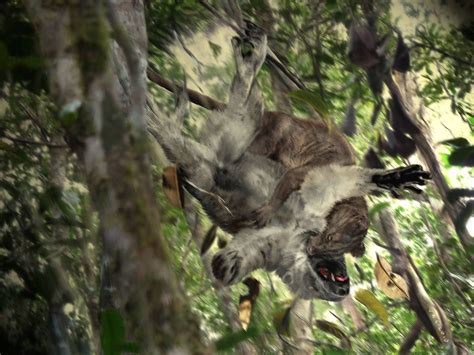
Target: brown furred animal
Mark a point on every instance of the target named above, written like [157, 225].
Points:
[300, 145]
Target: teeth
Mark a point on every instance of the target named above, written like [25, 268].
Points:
[332, 277]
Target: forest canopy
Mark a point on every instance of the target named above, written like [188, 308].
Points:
[102, 250]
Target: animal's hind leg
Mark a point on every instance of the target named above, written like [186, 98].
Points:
[249, 54]
[230, 132]
[196, 160]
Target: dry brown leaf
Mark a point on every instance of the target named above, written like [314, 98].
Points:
[245, 311]
[247, 301]
[172, 187]
[391, 284]
[209, 239]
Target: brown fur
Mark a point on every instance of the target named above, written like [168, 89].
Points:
[300, 145]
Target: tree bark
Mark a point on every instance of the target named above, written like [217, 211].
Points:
[101, 97]
[59, 290]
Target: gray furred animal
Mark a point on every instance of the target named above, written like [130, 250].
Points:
[229, 181]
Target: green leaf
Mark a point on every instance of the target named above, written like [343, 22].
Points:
[70, 112]
[310, 98]
[377, 208]
[229, 341]
[130, 347]
[281, 320]
[112, 332]
[368, 299]
[463, 156]
[335, 330]
[456, 142]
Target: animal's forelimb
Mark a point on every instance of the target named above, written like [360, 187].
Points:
[326, 185]
[404, 178]
[290, 181]
[246, 253]
[196, 160]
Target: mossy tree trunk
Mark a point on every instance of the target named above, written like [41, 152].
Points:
[99, 88]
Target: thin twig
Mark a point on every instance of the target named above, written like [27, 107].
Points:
[31, 142]
[440, 51]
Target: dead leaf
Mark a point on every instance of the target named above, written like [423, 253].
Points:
[349, 126]
[401, 61]
[400, 118]
[391, 284]
[363, 46]
[246, 302]
[245, 311]
[172, 187]
[209, 239]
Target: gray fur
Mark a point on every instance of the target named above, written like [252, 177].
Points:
[230, 182]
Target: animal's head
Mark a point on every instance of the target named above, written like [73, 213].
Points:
[327, 279]
[346, 228]
[315, 277]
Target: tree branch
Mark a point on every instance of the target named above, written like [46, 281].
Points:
[442, 52]
[194, 96]
[411, 338]
[36, 143]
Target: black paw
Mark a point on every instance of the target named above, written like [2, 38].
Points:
[406, 178]
[226, 266]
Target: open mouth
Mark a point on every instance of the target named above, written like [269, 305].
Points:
[329, 270]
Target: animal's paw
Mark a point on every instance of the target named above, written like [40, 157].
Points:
[250, 50]
[262, 216]
[227, 266]
[406, 178]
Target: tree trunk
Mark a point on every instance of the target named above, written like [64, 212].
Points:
[101, 95]
[59, 291]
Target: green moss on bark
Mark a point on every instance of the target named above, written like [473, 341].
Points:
[91, 38]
